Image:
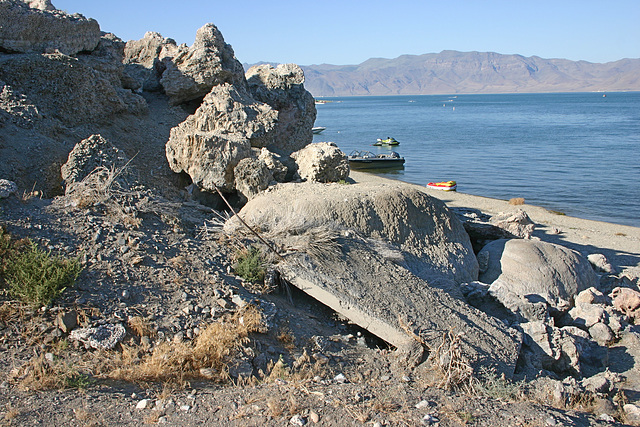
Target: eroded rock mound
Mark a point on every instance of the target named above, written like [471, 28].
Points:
[43, 29]
[211, 142]
[321, 162]
[282, 88]
[432, 240]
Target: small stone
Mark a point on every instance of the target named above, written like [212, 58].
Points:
[126, 294]
[298, 420]
[49, 357]
[340, 379]
[315, 418]
[423, 404]
[185, 408]
[430, 420]
[144, 404]
[67, 321]
[632, 413]
[385, 378]
[178, 338]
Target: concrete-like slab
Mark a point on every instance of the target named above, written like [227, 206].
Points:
[385, 298]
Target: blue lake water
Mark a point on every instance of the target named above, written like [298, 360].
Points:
[577, 153]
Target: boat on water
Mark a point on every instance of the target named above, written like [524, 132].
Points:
[321, 101]
[387, 141]
[368, 160]
[317, 129]
[444, 186]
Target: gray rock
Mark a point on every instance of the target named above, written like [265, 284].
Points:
[601, 263]
[627, 301]
[592, 296]
[602, 334]
[211, 142]
[194, 71]
[67, 321]
[419, 231]
[103, 337]
[251, 177]
[44, 30]
[7, 188]
[527, 267]
[343, 270]
[277, 168]
[321, 162]
[88, 156]
[283, 89]
[517, 224]
[587, 315]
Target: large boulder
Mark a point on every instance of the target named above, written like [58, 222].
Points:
[145, 59]
[532, 269]
[211, 142]
[347, 246]
[282, 88]
[40, 30]
[195, 70]
[433, 242]
[321, 162]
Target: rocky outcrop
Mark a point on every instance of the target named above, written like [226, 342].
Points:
[432, 241]
[7, 188]
[30, 30]
[211, 142]
[359, 250]
[88, 156]
[519, 269]
[282, 88]
[251, 177]
[83, 95]
[321, 162]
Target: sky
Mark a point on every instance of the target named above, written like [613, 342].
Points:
[352, 31]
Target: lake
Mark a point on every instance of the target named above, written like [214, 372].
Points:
[575, 153]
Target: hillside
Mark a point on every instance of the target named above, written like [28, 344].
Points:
[470, 72]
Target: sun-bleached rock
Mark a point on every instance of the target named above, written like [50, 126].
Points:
[42, 29]
[321, 162]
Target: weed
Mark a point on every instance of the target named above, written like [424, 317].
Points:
[36, 277]
[557, 212]
[490, 384]
[141, 327]
[208, 356]
[450, 362]
[250, 265]
[42, 374]
[516, 201]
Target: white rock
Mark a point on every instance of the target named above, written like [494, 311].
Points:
[144, 404]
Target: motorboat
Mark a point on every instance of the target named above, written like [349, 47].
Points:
[444, 186]
[317, 129]
[388, 141]
[368, 160]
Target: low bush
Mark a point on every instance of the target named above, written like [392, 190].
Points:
[32, 275]
[250, 265]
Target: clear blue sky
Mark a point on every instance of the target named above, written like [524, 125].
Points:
[352, 31]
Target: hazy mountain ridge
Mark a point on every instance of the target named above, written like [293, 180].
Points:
[470, 72]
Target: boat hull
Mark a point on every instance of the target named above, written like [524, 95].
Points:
[443, 186]
[375, 163]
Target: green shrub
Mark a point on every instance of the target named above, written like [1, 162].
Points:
[249, 265]
[36, 277]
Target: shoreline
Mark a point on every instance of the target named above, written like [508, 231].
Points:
[619, 243]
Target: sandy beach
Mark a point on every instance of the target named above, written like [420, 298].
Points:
[619, 243]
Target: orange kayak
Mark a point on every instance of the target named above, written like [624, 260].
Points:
[445, 185]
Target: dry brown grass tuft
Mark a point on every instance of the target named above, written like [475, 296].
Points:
[141, 327]
[42, 374]
[516, 201]
[207, 356]
[453, 369]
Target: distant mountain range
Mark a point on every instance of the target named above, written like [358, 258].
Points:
[470, 72]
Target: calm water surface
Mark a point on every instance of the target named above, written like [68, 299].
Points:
[577, 153]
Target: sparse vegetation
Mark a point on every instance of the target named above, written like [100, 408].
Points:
[250, 264]
[32, 275]
[516, 201]
[207, 356]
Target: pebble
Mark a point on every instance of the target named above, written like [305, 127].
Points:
[340, 379]
[126, 294]
[143, 404]
[423, 404]
[298, 420]
[429, 420]
[185, 408]
[315, 418]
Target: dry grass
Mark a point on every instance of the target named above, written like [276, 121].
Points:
[453, 368]
[208, 356]
[516, 201]
[41, 374]
[141, 327]
[105, 185]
